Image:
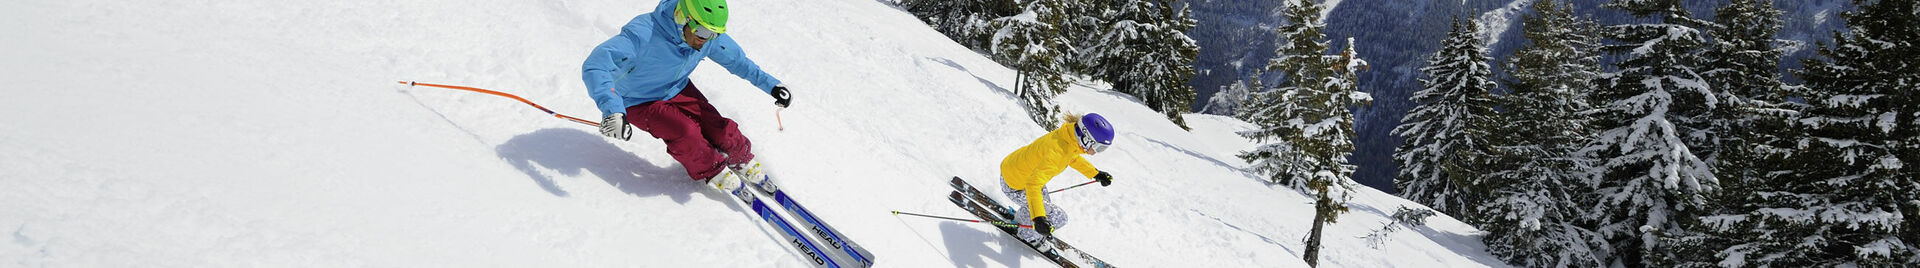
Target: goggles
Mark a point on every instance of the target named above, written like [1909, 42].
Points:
[1087, 142]
[701, 31]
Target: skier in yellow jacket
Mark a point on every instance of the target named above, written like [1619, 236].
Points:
[1025, 173]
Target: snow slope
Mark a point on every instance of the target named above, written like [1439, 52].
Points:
[270, 133]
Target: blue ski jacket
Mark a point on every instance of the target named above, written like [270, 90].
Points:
[650, 61]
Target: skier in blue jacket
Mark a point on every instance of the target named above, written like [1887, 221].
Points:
[640, 77]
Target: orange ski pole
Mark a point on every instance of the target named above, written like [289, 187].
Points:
[510, 96]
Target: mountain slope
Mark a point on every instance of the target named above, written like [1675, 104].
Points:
[272, 134]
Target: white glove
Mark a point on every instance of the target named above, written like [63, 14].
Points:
[615, 125]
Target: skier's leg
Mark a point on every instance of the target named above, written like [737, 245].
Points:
[1020, 213]
[719, 131]
[1018, 204]
[1055, 216]
[681, 134]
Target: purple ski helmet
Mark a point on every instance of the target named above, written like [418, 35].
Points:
[1095, 133]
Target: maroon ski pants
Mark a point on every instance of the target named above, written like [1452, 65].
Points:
[693, 130]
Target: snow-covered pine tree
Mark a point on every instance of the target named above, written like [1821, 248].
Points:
[1230, 97]
[1751, 221]
[1138, 46]
[965, 21]
[1651, 115]
[1444, 155]
[1032, 44]
[1856, 167]
[1742, 66]
[1084, 23]
[1171, 65]
[1304, 124]
[1536, 206]
[1144, 51]
[1287, 113]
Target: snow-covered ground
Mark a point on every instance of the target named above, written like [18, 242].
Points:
[271, 133]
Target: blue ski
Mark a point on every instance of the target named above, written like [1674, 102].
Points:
[820, 228]
[824, 231]
[794, 237]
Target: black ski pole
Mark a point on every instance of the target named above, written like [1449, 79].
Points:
[997, 223]
[1071, 187]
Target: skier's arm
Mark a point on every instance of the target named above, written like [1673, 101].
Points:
[599, 73]
[1080, 164]
[728, 54]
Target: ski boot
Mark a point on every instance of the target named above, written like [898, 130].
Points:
[753, 174]
[729, 182]
[1043, 244]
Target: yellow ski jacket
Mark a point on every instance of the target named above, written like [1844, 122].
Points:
[1031, 167]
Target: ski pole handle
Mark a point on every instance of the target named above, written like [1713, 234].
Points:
[998, 223]
[1071, 187]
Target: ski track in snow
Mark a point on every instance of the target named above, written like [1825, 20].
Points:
[270, 134]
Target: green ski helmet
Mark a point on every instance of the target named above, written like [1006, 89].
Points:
[710, 14]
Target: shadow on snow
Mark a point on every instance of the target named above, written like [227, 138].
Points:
[572, 151]
[968, 246]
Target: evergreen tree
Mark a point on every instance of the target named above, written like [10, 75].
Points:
[1850, 192]
[1305, 124]
[1231, 96]
[1534, 209]
[1652, 115]
[1284, 113]
[1027, 35]
[1138, 46]
[1144, 51]
[965, 21]
[1742, 66]
[1085, 24]
[1442, 159]
[1753, 220]
[1032, 44]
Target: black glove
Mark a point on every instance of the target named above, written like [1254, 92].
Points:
[1040, 225]
[781, 97]
[615, 125]
[1104, 179]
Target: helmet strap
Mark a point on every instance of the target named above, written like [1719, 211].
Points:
[1080, 138]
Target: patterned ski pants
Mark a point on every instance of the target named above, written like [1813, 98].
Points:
[1055, 216]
